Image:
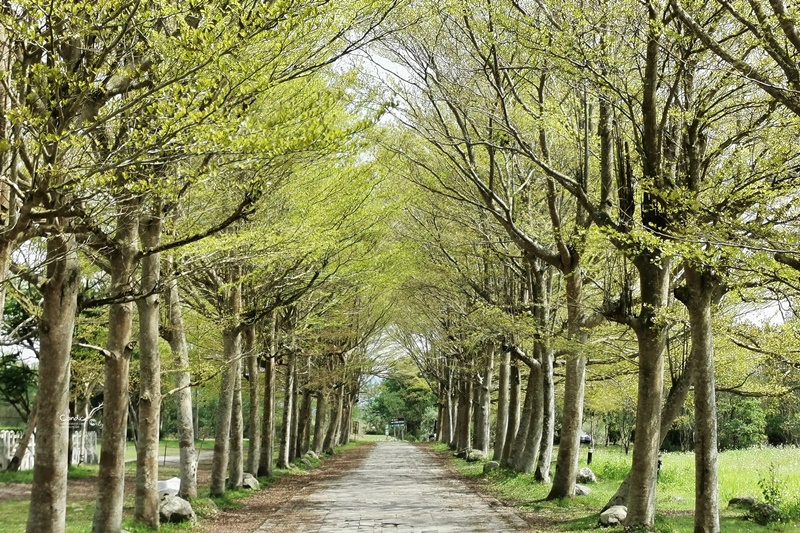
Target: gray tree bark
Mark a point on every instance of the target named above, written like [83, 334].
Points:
[304, 424]
[111, 474]
[572, 419]
[514, 414]
[288, 410]
[180, 353]
[542, 472]
[464, 415]
[672, 408]
[48, 504]
[651, 338]
[501, 421]
[701, 287]
[319, 423]
[232, 347]
[231, 338]
[484, 408]
[526, 442]
[254, 415]
[294, 425]
[236, 464]
[336, 404]
[266, 463]
[146, 501]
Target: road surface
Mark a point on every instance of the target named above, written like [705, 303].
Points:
[398, 488]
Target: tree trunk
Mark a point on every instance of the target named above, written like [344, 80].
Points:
[219, 464]
[336, 404]
[236, 464]
[266, 462]
[304, 424]
[484, 406]
[116, 399]
[672, 408]
[288, 409]
[515, 458]
[347, 418]
[319, 423]
[530, 432]
[700, 288]
[501, 422]
[512, 429]
[542, 472]
[251, 356]
[146, 504]
[651, 336]
[572, 420]
[22, 445]
[295, 420]
[464, 416]
[183, 379]
[48, 502]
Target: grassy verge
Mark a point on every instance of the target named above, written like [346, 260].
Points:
[740, 473]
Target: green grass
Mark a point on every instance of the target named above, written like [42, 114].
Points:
[739, 474]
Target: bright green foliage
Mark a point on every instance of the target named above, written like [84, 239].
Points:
[402, 394]
[741, 422]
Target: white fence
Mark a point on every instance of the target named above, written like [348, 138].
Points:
[9, 440]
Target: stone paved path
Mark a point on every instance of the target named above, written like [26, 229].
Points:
[398, 488]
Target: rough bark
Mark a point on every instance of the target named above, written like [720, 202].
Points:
[48, 504]
[319, 423]
[700, 290]
[525, 416]
[512, 429]
[672, 408]
[254, 415]
[651, 339]
[572, 420]
[266, 462]
[332, 435]
[347, 418]
[484, 407]
[304, 424]
[146, 502]
[542, 472]
[294, 425]
[501, 421]
[448, 421]
[231, 337]
[183, 379]
[288, 409]
[526, 443]
[236, 463]
[111, 474]
[464, 415]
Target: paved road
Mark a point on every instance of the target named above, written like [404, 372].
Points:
[397, 488]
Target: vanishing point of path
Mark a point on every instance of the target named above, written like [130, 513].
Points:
[396, 488]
